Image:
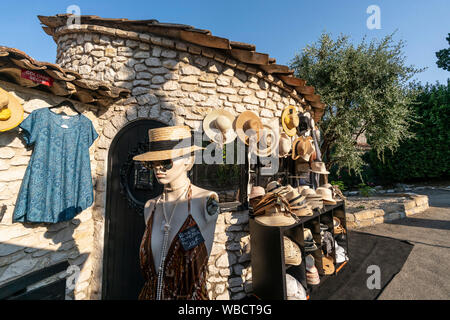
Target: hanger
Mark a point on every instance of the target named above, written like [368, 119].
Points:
[67, 103]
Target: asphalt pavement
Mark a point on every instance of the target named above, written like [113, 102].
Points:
[426, 273]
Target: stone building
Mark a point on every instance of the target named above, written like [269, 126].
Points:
[176, 74]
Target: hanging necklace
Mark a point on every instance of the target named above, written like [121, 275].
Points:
[166, 224]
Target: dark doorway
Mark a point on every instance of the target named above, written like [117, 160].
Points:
[129, 187]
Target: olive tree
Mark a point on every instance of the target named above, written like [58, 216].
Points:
[366, 91]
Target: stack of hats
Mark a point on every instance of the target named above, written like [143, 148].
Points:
[276, 187]
[310, 244]
[292, 253]
[341, 255]
[273, 210]
[294, 289]
[313, 199]
[298, 204]
[256, 195]
[312, 274]
[327, 195]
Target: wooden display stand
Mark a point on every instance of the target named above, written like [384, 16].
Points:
[267, 252]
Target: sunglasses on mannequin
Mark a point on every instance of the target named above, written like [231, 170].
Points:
[165, 164]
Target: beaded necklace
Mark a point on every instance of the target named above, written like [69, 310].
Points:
[166, 239]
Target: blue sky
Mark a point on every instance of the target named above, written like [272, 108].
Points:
[280, 28]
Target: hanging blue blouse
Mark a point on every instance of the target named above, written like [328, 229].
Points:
[57, 184]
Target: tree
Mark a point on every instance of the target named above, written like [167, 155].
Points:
[366, 92]
[444, 57]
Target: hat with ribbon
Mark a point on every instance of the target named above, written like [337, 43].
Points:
[218, 126]
[168, 143]
[290, 120]
[326, 194]
[303, 148]
[256, 195]
[319, 167]
[294, 198]
[248, 125]
[11, 111]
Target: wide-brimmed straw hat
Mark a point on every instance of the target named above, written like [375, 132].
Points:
[319, 167]
[275, 216]
[290, 120]
[11, 111]
[168, 143]
[285, 145]
[327, 195]
[248, 124]
[303, 148]
[270, 137]
[303, 211]
[292, 253]
[218, 126]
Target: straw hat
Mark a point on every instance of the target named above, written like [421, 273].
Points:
[328, 265]
[285, 145]
[294, 198]
[11, 111]
[319, 167]
[275, 187]
[292, 253]
[248, 124]
[290, 120]
[256, 195]
[218, 126]
[301, 188]
[269, 140]
[274, 216]
[302, 147]
[303, 211]
[327, 195]
[168, 143]
[294, 289]
[302, 166]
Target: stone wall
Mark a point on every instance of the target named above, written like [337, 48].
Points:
[29, 247]
[178, 84]
[405, 207]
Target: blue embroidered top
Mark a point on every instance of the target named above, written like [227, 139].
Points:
[57, 184]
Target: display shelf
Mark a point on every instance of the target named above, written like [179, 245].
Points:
[267, 254]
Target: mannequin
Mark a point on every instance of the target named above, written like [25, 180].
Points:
[180, 223]
[175, 181]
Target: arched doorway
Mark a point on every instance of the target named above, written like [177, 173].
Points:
[129, 186]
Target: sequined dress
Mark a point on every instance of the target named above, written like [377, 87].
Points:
[185, 271]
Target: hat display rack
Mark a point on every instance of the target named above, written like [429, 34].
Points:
[291, 211]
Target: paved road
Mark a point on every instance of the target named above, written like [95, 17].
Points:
[426, 273]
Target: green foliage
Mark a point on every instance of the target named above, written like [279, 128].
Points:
[365, 90]
[365, 190]
[427, 155]
[340, 184]
[443, 57]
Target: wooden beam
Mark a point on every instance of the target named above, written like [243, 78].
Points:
[205, 40]
[318, 104]
[242, 45]
[293, 81]
[250, 56]
[305, 89]
[277, 68]
[312, 97]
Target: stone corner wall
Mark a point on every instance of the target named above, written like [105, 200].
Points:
[25, 248]
[412, 205]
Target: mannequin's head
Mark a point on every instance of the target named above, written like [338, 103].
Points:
[172, 172]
